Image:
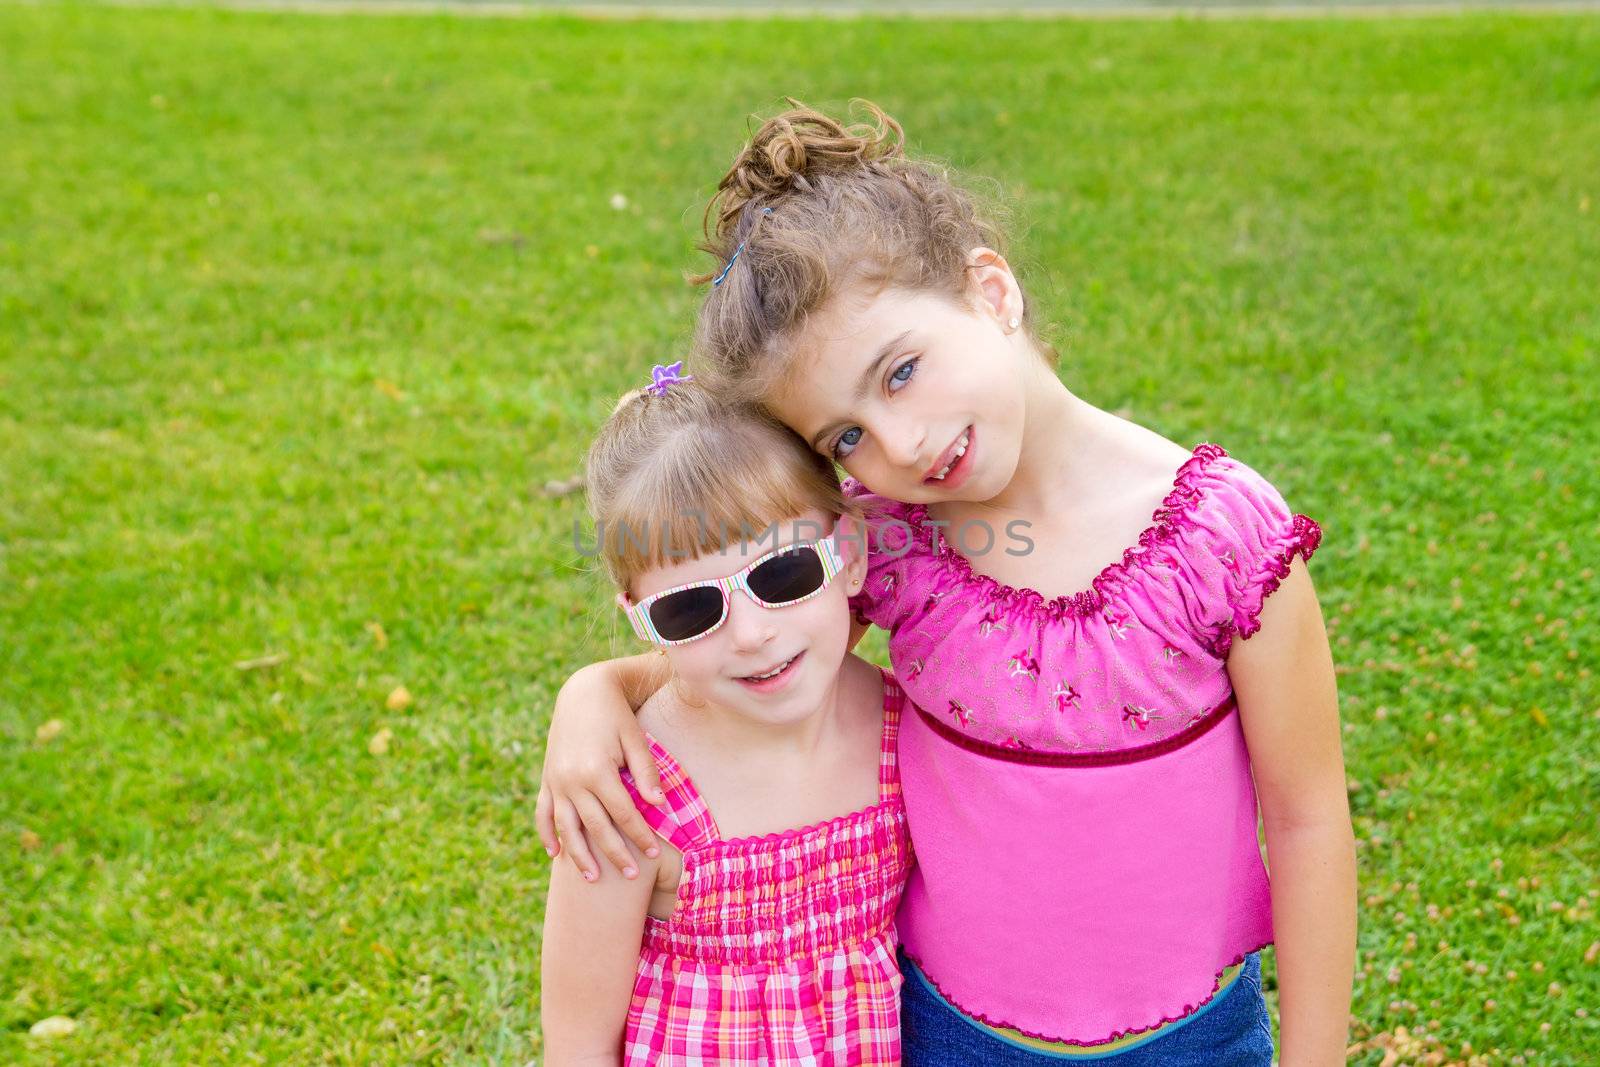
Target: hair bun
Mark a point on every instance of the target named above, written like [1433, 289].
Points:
[795, 149]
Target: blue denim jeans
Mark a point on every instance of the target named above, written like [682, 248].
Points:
[1234, 1030]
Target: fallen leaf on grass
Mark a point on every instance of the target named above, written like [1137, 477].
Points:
[30, 841]
[1401, 1046]
[389, 389]
[260, 662]
[378, 745]
[1592, 953]
[379, 638]
[502, 237]
[49, 731]
[399, 699]
[55, 1026]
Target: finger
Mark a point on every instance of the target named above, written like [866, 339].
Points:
[573, 842]
[642, 765]
[625, 815]
[603, 834]
[544, 818]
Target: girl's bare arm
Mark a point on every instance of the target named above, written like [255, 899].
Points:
[1284, 680]
[591, 953]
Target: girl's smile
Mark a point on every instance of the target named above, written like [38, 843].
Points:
[775, 679]
[955, 463]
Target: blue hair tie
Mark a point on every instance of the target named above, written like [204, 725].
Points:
[734, 258]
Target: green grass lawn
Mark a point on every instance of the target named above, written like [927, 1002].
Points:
[298, 315]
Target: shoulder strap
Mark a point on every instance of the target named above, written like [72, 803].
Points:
[894, 699]
[686, 822]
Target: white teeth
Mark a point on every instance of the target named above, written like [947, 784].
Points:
[779, 669]
[961, 450]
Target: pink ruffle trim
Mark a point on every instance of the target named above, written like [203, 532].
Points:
[1304, 537]
[1115, 1035]
[1171, 517]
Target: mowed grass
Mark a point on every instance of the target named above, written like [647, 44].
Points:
[298, 315]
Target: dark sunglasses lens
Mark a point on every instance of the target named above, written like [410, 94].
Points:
[687, 613]
[788, 576]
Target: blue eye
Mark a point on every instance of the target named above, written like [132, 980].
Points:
[850, 438]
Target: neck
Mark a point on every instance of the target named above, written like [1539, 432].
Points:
[1057, 436]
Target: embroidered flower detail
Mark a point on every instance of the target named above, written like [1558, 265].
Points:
[887, 585]
[1171, 654]
[1118, 623]
[991, 623]
[962, 713]
[1024, 664]
[1066, 696]
[1016, 742]
[1138, 717]
[1227, 557]
[932, 601]
[914, 668]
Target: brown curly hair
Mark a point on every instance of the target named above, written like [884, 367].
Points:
[809, 206]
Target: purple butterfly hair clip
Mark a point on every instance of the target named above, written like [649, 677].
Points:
[661, 377]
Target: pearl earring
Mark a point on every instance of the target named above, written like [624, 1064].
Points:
[1013, 324]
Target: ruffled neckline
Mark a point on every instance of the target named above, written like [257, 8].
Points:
[1170, 517]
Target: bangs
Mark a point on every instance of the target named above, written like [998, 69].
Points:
[687, 509]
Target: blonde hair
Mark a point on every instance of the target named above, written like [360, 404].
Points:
[694, 472]
[809, 206]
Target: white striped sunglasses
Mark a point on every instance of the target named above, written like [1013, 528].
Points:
[688, 612]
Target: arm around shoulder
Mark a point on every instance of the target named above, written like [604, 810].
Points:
[592, 735]
[634, 678]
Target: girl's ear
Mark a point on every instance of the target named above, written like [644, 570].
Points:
[852, 537]
[622, 601]
[999, 295]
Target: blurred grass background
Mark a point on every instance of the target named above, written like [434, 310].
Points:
[299, 315]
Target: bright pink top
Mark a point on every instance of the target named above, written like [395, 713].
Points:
[781, 950]
[1075, 773]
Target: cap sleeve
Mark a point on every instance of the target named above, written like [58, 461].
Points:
[882, 599]
[1238, 543]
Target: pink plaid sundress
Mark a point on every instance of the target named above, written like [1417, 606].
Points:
[781, 949]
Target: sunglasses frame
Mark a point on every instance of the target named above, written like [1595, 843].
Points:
[639, 614]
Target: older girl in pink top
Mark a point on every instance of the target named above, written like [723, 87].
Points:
[760, 928]
[1067, 597]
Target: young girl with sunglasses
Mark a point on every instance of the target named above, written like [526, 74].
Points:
[1092, 735]
[760, 928]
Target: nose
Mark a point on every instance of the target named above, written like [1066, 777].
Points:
[902, 442]
[749, 625]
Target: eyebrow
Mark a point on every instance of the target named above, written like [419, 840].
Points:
[864, 382]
